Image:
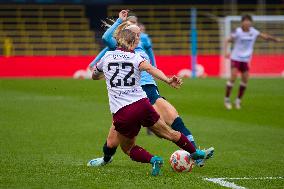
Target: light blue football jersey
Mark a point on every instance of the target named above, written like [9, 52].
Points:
[144, 48]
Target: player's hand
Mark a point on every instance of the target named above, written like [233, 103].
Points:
[123, 14]
[175, 82]
[278, 39]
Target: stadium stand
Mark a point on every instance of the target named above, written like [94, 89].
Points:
[45, 30]
[169, 26]
[65, 30]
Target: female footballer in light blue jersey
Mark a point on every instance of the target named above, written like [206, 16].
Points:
[144, 46]
[167, 112]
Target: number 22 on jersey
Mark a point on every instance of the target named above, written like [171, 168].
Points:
[117, 67]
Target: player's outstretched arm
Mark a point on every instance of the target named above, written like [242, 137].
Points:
[107, 37]
[98, 57]
[174, 81]
[268, 37]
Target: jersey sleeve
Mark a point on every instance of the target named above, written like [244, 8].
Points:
[108, 38]
[139, 60]
[256, 32]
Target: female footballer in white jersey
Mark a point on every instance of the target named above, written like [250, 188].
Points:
[243, 38]
[167, 112]
[129, 104]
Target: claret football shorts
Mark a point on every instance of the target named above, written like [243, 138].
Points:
[128, 120]
[241, 66]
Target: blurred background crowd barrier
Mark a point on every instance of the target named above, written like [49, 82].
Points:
[34, 32]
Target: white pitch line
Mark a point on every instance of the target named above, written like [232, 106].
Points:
[222, 182]
[251, 178]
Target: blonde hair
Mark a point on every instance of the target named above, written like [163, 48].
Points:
[121, 27]
[108, 23]
[126, 39]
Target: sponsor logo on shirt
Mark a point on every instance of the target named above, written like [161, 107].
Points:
[124, 56]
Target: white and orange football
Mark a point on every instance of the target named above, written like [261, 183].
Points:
[181, 162]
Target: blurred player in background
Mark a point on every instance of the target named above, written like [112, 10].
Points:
[243, 38]
[167, 112]
[129, 104]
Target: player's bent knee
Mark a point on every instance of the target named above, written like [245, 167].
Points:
[164, 131]
[171, 135]
[126, 149]
[112, 138]
[159, 129]
[170, 115]
[126, 146]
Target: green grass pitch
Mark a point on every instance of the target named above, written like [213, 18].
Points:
[51, 128]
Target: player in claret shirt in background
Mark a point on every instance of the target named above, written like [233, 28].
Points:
[243, 38]
[129, 104]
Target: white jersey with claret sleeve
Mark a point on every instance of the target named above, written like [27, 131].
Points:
[122, 74]
[243, 44]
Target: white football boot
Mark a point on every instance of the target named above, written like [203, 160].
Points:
[98, 162]
[238, 103]
[227, 104]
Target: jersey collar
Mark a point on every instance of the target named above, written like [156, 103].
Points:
[121, 49]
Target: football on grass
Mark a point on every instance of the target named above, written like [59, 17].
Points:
[181, 162]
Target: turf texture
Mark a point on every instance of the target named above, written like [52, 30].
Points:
[50, 128]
